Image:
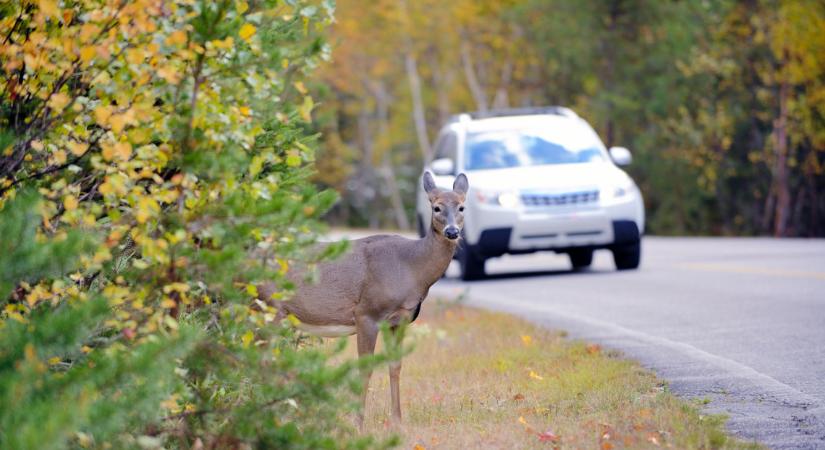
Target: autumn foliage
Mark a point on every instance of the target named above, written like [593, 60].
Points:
[154, 159]
[720, 101]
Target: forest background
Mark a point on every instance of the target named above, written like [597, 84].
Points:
[721, 102]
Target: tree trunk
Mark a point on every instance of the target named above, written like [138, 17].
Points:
[364, 190]
[472, 80]
[442, 81]
[382, 102]
[502, 100]
[419, 115]
[781, 180]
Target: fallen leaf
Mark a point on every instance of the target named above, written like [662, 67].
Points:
[518, 397]
[606, 446]
[548, 436]
[526, 340]
[652, 439]
[593, 349]
[419, 447]
[535, 376]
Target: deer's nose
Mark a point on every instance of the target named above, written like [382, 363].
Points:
[451, 232]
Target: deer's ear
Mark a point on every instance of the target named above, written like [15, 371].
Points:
[429, 184]
[461, 185]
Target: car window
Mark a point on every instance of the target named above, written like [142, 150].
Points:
[447, 146]
[515, 148]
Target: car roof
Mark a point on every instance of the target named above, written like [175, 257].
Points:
[519, 122]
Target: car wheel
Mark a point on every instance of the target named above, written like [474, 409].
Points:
[472, 266]
[580, 257]
[627, 256]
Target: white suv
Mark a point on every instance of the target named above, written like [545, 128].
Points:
[540, 179]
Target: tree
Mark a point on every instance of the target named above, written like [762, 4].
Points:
[178, 135]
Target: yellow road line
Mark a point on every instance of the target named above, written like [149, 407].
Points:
[710, 267]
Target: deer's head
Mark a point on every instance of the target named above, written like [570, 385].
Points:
[447, 206]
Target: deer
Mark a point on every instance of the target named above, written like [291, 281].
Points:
[383, 278]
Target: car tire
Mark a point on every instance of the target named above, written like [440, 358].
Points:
[580, 258]
[627, 256]
[472, 265]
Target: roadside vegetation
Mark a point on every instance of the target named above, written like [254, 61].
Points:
[154, 167]
[488, 380]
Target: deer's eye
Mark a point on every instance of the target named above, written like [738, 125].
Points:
[461, 208]
[436, 209]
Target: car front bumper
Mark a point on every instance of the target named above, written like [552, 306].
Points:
[525, 231]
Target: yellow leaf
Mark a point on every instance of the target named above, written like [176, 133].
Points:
[168, 303]
[252, 290]
[87, 53]
[118, 122]
[241, 6]
[247, 338]
[134, 56]
[102, 114]
[123, 150]
[58, 101]
[59, 157]
[54, 360]
[70, 203]
[535, 376]
[284, 266]
[247, 31]
[526, 340]
[176, 38]
[306, 109]
[169, 74]
[102, 255]
[293, 159]
[37, 145]
[146, 208]
[293, 320]
[49, 8]
[300, 87]
[419, 447]
[77, 148]
[244, 110]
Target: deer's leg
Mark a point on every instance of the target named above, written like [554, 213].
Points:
[367, 331]
[395, 375]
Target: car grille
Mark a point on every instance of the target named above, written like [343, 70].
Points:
[561, 199]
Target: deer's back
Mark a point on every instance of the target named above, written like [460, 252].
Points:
[373, 277]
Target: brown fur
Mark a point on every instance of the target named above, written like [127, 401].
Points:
[383, 278]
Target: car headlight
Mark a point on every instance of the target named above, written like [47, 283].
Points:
[507, 199]
[618, 191]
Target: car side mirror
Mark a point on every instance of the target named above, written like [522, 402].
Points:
[443, 166]
[621, 156]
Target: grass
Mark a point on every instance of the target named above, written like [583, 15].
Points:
[485, 380]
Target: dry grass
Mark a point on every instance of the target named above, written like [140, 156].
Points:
[484, 380]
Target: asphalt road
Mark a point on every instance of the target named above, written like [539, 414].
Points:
[738, 322]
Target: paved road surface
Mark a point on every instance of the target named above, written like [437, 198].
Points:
[740, 322]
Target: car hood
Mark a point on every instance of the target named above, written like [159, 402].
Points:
[549, 177]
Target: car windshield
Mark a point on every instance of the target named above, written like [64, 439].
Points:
[519, 148]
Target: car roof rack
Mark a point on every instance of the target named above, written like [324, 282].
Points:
[504, 112]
